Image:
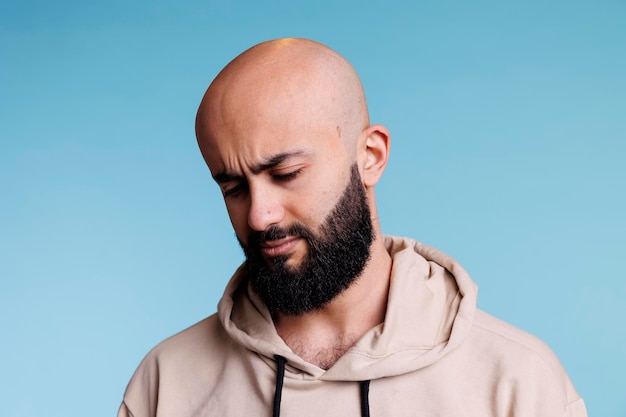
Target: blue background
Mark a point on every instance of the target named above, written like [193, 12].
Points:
[508, 125]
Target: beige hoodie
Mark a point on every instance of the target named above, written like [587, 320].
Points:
[435, 355]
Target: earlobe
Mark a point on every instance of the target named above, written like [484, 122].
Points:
[375, 153]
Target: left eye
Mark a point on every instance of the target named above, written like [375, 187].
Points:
[287, 176]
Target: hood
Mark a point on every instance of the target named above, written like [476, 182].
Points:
[430, 311]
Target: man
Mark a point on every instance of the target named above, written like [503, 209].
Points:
[328, 317]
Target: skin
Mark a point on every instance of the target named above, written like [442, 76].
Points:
[279, 128]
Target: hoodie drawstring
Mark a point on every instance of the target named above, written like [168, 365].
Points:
[280, 376]
[364, 388]
[365, 398]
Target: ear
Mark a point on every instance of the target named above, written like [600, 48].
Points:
[373, 153]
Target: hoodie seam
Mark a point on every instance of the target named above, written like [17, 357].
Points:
[395, 352]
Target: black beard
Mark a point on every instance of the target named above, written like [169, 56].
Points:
[336, 257]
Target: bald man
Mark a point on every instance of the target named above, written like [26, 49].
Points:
[326, 316]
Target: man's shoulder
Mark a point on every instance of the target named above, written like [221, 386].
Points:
[509, 339]
[200, 337]
[176, 368]
[522, 362]
[518, 356]
[188, 348]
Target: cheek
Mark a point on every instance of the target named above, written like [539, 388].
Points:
[313, 207]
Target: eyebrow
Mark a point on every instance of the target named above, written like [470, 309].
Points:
[271, 162]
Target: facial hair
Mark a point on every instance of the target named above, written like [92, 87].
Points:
[337, 255]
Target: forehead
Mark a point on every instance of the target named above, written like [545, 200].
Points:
[251, 114]
[240, 147]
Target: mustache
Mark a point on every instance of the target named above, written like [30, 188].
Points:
[256, 238]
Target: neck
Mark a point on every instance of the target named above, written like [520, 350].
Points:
[321, 337]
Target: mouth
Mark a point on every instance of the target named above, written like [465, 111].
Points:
[279, 247]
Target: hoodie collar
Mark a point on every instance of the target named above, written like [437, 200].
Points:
[431, 306]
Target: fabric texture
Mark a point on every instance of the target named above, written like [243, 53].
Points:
[435, 354]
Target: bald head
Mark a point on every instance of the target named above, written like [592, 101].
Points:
[285, 131]
[291, 84]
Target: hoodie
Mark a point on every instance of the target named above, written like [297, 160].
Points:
[435, 354]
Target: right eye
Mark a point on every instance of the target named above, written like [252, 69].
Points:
[233, 191]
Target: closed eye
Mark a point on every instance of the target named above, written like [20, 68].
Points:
[288, 176]
[234, 191]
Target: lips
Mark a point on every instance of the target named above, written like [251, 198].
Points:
[273, 248]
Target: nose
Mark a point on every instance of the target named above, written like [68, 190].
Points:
[266, 208]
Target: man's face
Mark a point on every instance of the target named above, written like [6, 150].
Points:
[277, 165]
[337, 253]
[298, 207]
